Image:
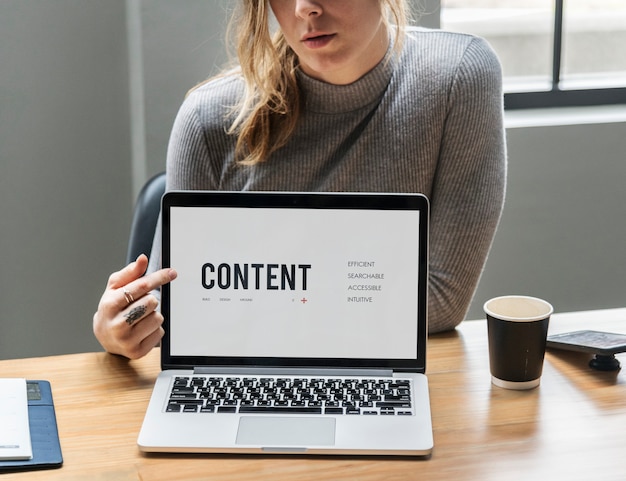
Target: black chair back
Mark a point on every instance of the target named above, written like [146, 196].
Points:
[145, 217]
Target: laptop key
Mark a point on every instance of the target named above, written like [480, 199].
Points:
[183, 397]
[280, 409]
[332, 410]
[183, 390]
[186, 402]
[391, 397]
[393, 404]
[227, 409]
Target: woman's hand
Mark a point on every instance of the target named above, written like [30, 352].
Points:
[127, 322]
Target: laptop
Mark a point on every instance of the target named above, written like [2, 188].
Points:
[297, 325]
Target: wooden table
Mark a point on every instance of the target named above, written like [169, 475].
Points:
[572, 427]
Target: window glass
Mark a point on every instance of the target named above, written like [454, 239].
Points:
[594, 38]
[520, 31]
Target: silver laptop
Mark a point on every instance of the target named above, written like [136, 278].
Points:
[297, 325]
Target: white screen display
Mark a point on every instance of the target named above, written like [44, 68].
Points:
[301, 283]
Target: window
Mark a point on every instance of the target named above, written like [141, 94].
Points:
[553, 52]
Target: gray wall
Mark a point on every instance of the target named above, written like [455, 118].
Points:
[64, 168]
[563, 230]
[181, 46]
[88, 93]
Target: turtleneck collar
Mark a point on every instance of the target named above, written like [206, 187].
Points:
[326, 98]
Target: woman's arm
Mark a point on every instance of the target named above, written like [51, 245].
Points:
[469, 186]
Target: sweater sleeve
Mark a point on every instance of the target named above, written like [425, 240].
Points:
[469, 186]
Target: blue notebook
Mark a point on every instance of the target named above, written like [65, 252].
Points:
[44, 434]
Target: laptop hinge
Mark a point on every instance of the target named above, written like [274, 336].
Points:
[296, 371]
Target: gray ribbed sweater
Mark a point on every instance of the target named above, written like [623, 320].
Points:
[435, 128]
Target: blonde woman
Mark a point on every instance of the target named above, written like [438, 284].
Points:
[343, 97]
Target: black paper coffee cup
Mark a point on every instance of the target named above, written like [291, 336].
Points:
[517, 329]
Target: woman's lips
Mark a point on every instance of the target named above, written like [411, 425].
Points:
[318, 41]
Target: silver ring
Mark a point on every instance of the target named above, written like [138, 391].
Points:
[129, 297]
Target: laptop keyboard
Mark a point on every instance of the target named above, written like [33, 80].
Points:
[290, 395]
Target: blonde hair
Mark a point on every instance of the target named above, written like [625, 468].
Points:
[269, 110]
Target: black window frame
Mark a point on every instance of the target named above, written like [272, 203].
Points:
[557, 96]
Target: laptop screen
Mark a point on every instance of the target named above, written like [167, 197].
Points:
[290, 278]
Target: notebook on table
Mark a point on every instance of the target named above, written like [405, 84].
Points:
[297, 324]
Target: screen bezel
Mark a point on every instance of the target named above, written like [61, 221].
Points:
[362, 201]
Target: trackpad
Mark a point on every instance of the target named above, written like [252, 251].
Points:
[286, 431]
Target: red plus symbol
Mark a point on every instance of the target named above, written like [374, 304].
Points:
[304, 300]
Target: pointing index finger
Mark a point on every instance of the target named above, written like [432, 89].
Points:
[150, 282]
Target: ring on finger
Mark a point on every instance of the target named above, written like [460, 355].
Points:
[128, 296]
